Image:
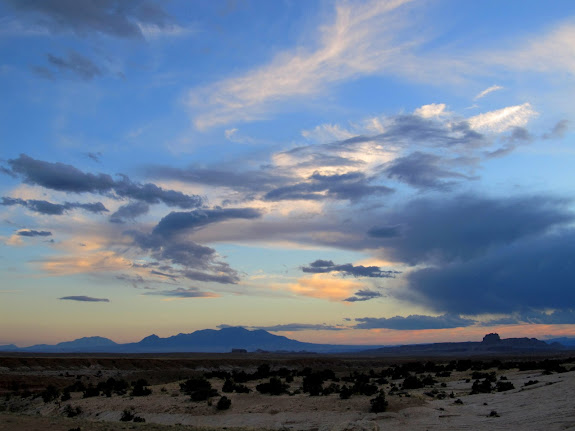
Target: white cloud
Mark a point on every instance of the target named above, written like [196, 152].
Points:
[359, 42]
[487, 91]
[431, 111]
[502, 119]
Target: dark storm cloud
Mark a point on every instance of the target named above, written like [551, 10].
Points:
[67, 178]
[423, 171]
[296, 327]
[33, 233]
[129, 212]
[176, 222]
[118, 18]
[466, 226]
[191, 292]
[536, 273]
[84, 299]
[324, 266]
[385, 231]
[351, 186]
[414, 322]
[74, 64]
[557, 317]
[183, 258]
[363, 295]
[256, 180]
[49, 208]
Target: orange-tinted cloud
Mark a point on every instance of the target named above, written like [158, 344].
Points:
[325, 287]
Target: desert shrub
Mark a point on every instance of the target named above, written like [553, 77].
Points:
[71, 412]
[77, 386]
[531, 382]
[503, 386]
[443, 374]
[478, 375]
[194, 384]
[313, 384]
[273, 387]
[139, 419]
[428, 381]
[483, 387]
[127, 415]
[242, 389]
[365, 389]
[75, 429]
[228, 386]
[345, 392]
[332, 388]
[263, 371]
[378, 404]
[203, 394]
[140, 389]
[50, 393]
[65, 395]
[91, 391]
[412, 382]
[224, 403]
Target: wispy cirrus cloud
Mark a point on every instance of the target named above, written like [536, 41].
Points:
[487, 91]
[357, 43]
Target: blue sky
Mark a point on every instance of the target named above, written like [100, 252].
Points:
[358, 171]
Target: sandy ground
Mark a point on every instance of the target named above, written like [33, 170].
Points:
[547, 405]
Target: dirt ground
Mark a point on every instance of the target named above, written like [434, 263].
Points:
[547, 404]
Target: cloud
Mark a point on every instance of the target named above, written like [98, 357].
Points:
[551, 52]
[33, 233]
[254, 180]
[414, 322]
[327, 266]
[352, 186]
[461, 227]
[176, 222]
[74, 63]
[129, 212]
[558, 130]
[431, 111]
[67, 178]
[502, 119]
[117, 18]
[358, 42]
[487, 91]
[290, 327]
[184, 258]
[535, 273]
[322, 287]
[183, 293]
[363, 295]
[49, 208]
[103, 261]
[423, 171]
[84, 299]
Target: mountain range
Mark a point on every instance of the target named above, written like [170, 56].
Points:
[240, 339]
[207, 340]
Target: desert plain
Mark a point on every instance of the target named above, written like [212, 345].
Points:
[145, 392]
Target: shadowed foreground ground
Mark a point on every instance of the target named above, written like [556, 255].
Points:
[546, 402]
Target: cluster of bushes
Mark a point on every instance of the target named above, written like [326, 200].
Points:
[129, 416]
[198, 388]
[274, 387]
[485, 386]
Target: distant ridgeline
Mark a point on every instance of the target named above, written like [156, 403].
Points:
[240, 340]
[490, 343]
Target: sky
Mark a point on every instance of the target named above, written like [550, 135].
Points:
[356, 172]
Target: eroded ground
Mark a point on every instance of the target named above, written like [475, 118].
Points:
[533, 395]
